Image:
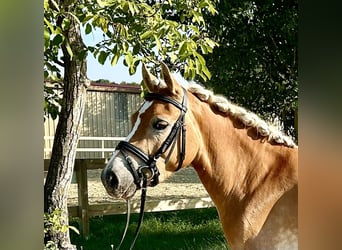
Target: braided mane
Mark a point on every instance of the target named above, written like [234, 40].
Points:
[248, 118]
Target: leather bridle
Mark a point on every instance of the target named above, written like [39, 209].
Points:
[148, 174]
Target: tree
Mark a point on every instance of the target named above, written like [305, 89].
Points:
[137, 30]
[256, 64]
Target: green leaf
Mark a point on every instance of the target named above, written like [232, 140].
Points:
[132, 70]
[46, 38]
[129, 59]
[209, 49]
[182, 48]
[194, 28]
[131, 7]
[198, 66]
[206, 71]
[136, 48]
[125, 47]
[101, 22]
[67, 46]
[74, 229]
[55, 5]
[204, 49]
[114, 60]
[57, 40]
[124, 6]
[51, 27]
[65, 23]
[102, 57]
[210, 42]
[88, 28]
[173, 57]
[91, 49]
[200, 58]
[87, 17]
[158, 43]
[146, 35]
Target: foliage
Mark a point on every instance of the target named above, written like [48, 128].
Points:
[53, 223]
[146, 31]
[52, 101]
[256, 63]
[135, 30]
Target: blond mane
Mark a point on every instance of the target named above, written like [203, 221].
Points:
[249, 119]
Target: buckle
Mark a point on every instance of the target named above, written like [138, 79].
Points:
[147, 172]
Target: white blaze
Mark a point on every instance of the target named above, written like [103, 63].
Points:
[142, 110]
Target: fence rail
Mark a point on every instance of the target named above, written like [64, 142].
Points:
[84, 210]
[102, 149]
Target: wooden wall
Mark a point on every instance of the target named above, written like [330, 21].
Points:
[106, 119]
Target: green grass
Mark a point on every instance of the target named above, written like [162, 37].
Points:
[198, 229]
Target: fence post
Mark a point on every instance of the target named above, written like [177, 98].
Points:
[81, 167]
[102, 147]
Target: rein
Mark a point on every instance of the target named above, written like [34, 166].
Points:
[149, 173]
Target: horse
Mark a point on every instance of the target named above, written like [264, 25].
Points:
[248, 167]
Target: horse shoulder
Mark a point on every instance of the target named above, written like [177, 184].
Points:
[280, 230]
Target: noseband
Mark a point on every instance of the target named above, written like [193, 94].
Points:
[150, 170]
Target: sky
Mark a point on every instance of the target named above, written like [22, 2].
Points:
[116, 74]
[95, 70]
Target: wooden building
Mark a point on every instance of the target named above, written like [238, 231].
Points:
[106, 120]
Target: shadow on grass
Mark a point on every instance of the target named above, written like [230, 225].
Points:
[186, 230]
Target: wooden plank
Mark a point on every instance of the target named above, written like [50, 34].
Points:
[73, 211]
[106, 87]
[92, 163]
[150, 206]
[82, 180]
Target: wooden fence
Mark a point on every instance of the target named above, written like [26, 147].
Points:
[102, 147]
[84, 210]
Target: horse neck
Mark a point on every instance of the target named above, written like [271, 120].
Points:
[244, 176]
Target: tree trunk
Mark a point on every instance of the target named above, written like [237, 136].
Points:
[61, 166]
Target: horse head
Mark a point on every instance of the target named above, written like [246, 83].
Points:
[158, 143]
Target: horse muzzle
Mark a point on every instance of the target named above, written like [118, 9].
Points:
[118, 181]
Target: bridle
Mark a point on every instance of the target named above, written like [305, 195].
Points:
[149, 173]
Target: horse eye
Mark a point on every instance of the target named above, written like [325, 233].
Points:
[160, 125]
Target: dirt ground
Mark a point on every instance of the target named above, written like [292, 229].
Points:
[183, 184]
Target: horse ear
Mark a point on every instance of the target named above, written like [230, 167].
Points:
[169, 80]
[151, 82]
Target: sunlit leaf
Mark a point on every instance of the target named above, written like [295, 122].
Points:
[69, 50]
[182, 48]
[129, 59]
[115, 60]
[65, 23]
[146, 35]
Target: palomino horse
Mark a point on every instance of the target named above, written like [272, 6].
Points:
[248, 167]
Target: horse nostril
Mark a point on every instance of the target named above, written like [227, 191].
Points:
[109, 179]
[112, 180]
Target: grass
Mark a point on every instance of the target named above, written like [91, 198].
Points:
[198, 229]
